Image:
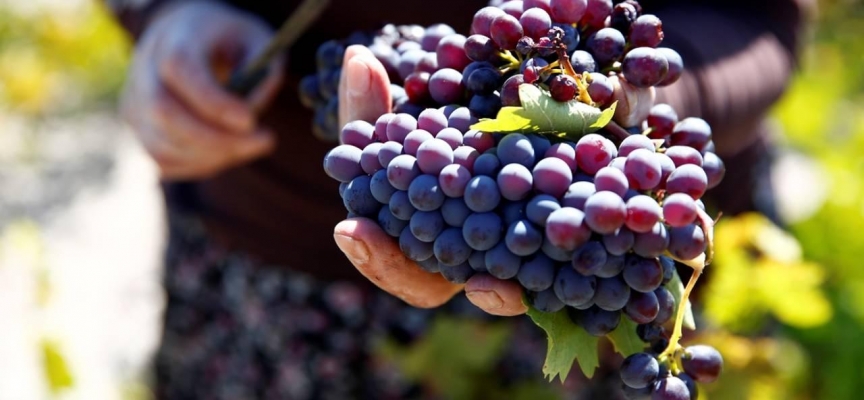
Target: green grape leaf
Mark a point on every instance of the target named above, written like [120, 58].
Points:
[625, 339]
[540, 113]
[676, 287]
[566, 342]
[55, 367]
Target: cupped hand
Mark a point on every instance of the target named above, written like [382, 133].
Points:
[175, 99]
[364, 93]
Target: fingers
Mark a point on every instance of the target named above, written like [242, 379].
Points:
[496, 297]
[381, 261]
[364, 87]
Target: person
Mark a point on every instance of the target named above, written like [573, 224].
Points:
[261, 303]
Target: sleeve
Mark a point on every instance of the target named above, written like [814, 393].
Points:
[738, 60]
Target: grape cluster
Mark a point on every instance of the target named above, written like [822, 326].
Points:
[645, 377]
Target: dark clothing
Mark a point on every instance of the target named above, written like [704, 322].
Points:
[738, 57]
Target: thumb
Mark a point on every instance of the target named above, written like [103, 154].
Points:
[364, 88]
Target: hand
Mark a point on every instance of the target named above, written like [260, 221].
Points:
[364, 93]
[174, 97]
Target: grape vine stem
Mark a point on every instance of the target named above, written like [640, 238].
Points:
[679, 318]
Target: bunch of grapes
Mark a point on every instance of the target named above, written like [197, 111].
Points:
[645, 376]
[590, 225]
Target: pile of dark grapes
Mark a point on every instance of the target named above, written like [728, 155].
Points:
[588, 225]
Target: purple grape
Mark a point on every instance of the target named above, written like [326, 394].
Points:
[567, 11]
[485, 105]
[477, 261]
[643, 212]
[686, 242]
[563, 88]
[451, 52]
[676, 66]
[343, 163]
[594, 152]
[670, 388]
[450, 248]
[483, 18]
[681, 155]
[413, 141]
[482, 231]
[381, 126]
[369, 158]
[380, 187]
[399, 127]
[461, 119]
[566, 228]
[572, 288]
[400, 206]
[453, 179]
[427, 64]
[588, 258]
[605, 212]
[541, 4]
[430, 264]
[417, 87]
[643, 169]
[487, 165]
[480, 48]
[639, 370]
[501, 263]
[611, 294]
[612, 180]
[666, 168]
[510, 91]
[693, 132]
[545, 301]
[426, 225]
[619, 242]
[483, 81]
[537, 274]
[535, 22]
[465, 156]
[618, 163]
[668, 268]
[402, 170]
[577, 194]
[505, 31]
[358, 199]
[512, 211]
[555, 253]
[432, 121]
[457, 274]
[445, 86]
[679, 210]
[689, 179]
[388, 152]
[408, 62]
[479, 140]
[582, 61]
[433, 35]
[514, 181]
[433, 155]
[643, 274]
[644, 67]
[606, 45]
[652, 243]
[482, 194]
[523, 239]
[389, 223]
[613, 266]
[661, 119]
[565, 152]
[646, 31]
[412, 248]
[691, 385]
[358, 133]
[455, 212]
[540, 144]
[538, 209]
[425, 194]
[552, 176]
[516, 148]
[600, 89]
[703, 363]
[667, 305]
[634, 142]
[598, 322]
[513, 7]
[714, 169]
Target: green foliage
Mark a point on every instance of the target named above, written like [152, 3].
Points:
[676, 287]
[566, 342]
[55, 368]
[625, 339]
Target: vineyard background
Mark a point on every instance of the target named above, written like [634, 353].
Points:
[81, 229]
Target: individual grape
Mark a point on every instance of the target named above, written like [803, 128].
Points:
[516, 148]
[433, 155]
[369, 158]
[703, 363]
[513, 8]
[563, 88]
[402, 171]
[643, 274]
[329, 55]
[480, 48]
[541, 4]
[676, 66]
[624, 14]
[573, 288]
[689, 179]
[714, 169]
[413, 248]
[618, 163]
[606, 45]
[408, 62]
[551, 176]
[639, 370]
[596, 12]
[619, 242]
[400, 206]
[455, 212]
[600, 89]
[554, 252]
[445, 86]
[427, 64]
[358, 198]
[594, 152]
[358, 133]
[668, 268]
[483, 81]
[433, 35]
[482, 194]
[510, 91]
[343, 163]
[450, 248]
[582, 61]
[477, 261]
[485, 105]
[501, 262]
[598, 322]
[537, 274]
[388, 152]
[577, 194]
[426, 225]
[514, 181]
[535, 22]
[523, 239]
[670, 388]
[408, 45]
[545, 301]
[417, 87]
[413, 141]
[644, 67]
[611, 294]
[400, 126]
[564, 152]
[661, 119]
[605, 212]
[461, 119]
[634, 142]
[465, 156]
[512, 211]
[651, 243]
[432, 121]
[571, 36]
[381, 126]
[425, 193]
[429, 265]
[451, 52]
[540, 144]
[679, 210]
[612, 180]
[636, 394]
[681, 155]
[667, 305]
[482, 231]
[505, 31]
[487, 165]
[650, 332]
[483, 18]
[567, 11]
[686, 242]
[457, 274]
[380, 187]
[566, 228]
[588, 258]
[310, 95]
[389, 223]
[693, 132]
[453, 179]
[538, 209]
[613, 266]
[342, 186]
[643, 169]
[647, 31]
[479, 140]
[642, 213]
[642, 308]
[691, 385]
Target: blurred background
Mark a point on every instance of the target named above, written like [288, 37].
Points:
[81, 229]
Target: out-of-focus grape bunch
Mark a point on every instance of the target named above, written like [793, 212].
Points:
[587, 214]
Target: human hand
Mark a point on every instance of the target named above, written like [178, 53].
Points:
[364, 93]
[175, 101]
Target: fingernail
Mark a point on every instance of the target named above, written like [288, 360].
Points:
[485, 299]
[355, 250]
[359, 81]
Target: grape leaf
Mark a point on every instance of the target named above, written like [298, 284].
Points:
[566, 342]
[676, 287]
[540, 113]
[625, 339]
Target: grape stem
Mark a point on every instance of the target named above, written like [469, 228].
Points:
[679, 318]
[617, 130]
